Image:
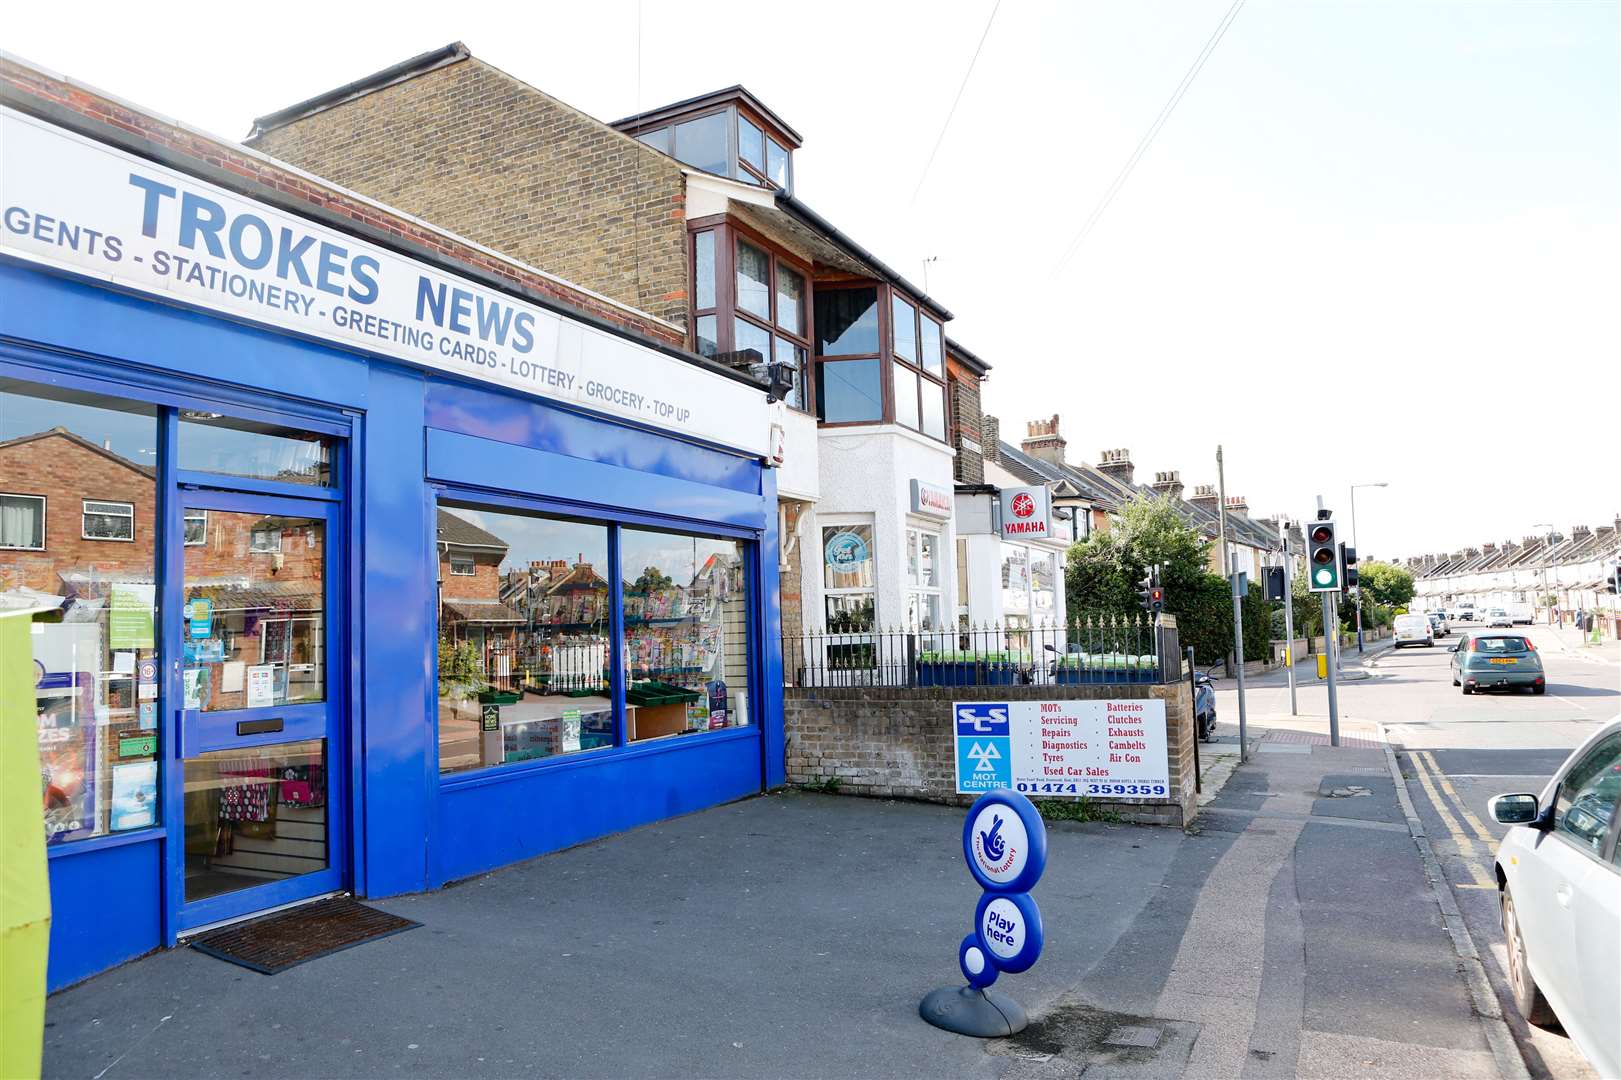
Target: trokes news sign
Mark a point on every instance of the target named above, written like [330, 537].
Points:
[78, 205]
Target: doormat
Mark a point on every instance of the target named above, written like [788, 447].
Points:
[274, 943]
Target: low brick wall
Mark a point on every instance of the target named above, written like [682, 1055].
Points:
[899, 742]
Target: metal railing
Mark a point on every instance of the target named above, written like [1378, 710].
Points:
[1106, 650]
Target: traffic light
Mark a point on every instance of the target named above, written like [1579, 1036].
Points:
[1322, 557]
[1275, 576]
[1152, 595]
[1348, 566]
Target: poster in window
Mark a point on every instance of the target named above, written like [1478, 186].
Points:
[129, 616]
[135, 796]
[67, 753]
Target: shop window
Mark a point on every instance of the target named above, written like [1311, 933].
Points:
[686, 616]
[523, 650]
[848, 583]
[1015, 580]
[22, 522]
[196, 527]
[232, 446]
[108, 520]
[95, 659]
[923, 574]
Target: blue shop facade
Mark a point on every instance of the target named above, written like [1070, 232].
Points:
[364, 569]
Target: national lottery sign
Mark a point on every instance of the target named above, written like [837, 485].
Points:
[1110, 748]
[83, 207]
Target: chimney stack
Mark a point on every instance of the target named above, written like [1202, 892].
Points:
[1043, 442]
[1205, 497]
[1237, 504]
[1116, 464]
[1168, 483]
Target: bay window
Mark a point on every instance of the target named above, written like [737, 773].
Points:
[749, 297]
[918, 344]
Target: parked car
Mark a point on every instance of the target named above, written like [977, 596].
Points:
[1439, 624]
[1413, 630]
[1559, 895]
[1499, 617]
[1522, 614]
[1487, 661]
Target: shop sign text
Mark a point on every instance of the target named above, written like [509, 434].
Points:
[1115, 748]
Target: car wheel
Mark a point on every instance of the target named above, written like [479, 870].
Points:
[1456, 683]
[1467, 691]
[1539, 689]
[1522, 987]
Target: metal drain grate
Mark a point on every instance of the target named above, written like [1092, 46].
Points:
[277, 942]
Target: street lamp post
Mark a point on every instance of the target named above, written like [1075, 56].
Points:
[1380, 484]
[1547, 546]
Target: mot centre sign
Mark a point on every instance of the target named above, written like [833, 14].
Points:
[76, 205]
[1114, 748]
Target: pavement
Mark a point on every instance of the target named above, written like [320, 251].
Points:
[1292, 932]
[1453, 753]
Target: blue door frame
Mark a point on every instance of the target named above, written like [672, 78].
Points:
[196, 732]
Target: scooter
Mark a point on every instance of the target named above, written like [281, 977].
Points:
[1204, 705]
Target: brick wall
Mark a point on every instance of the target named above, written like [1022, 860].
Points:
[898, 743]
[197, 151]
[67, 472]
[499, 162]
[966, 425]
[484, 583]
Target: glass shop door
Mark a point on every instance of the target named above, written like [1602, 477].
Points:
[261, 716]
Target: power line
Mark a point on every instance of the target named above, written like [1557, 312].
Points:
[953, 110]
[1148, 136]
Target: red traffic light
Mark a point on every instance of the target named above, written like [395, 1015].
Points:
[1156, 595]
[1322, 534]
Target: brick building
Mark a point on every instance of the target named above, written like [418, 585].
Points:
[690, 211]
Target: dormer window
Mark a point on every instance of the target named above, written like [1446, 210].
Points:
[728, 133]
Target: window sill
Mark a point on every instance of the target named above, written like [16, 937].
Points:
[496, 774]
[872, 428]
[102, 843]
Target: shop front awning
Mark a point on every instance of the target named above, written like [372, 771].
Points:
[482, 612]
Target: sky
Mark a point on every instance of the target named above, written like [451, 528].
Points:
[1375, 242]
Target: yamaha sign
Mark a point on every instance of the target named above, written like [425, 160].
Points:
[1026, 513]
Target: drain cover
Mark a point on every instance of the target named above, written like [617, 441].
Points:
[1133, 1035]
[1350, 792]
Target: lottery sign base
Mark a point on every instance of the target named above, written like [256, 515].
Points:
[984, 1014]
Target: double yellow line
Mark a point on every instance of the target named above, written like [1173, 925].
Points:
[1431, 776]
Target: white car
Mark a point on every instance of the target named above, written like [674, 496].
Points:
[1413, 630]
[1438, 623]
[1559, 888]
[1499, 617]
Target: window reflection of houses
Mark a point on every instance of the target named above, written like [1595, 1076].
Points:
[471, 612]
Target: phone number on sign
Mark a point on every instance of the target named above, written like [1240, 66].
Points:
[1054, 788]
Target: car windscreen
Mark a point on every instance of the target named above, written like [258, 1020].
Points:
[1502, 646]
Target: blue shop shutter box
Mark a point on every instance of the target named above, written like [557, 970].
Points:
[984, 746]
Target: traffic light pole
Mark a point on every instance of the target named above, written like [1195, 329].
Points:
[1331, 641]
[1288, 617]
[1238, 648]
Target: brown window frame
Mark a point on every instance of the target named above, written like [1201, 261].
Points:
[918, 315]
[728, 233]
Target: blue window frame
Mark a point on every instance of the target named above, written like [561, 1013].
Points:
[634, 695]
